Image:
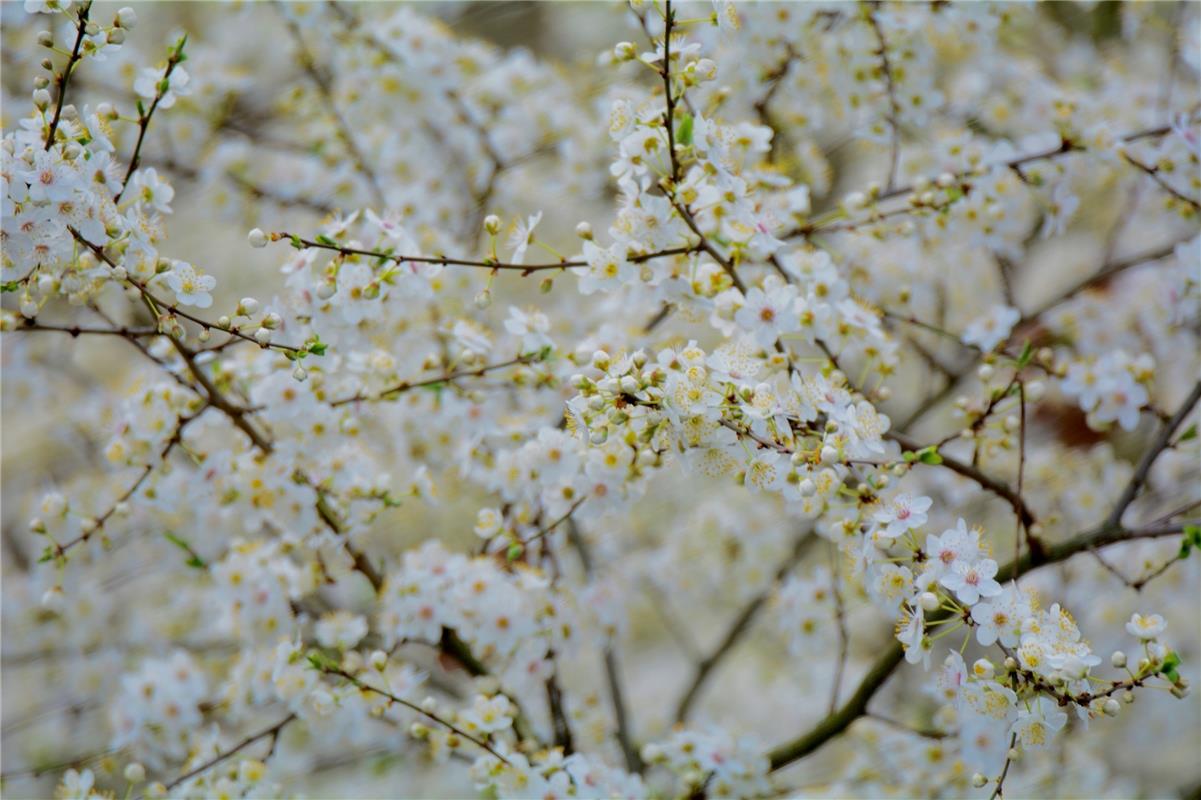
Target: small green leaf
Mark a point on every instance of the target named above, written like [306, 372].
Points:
[1168, 668]
[11, 286]
[1192, 538]
[909, 456]
[929, 455]
[515, 550]
[299, 245]
[1027, 354]
[684, 135]
[1190, 433]
[323, 239]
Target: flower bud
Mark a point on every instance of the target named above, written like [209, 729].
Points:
[807, 488]
[583, 230]
[546, 285]
[46, 39]
[1035, 391]
[257, 238]
[379, 660]
[126, 18]
[483, 299]
[247, 307]
[1010, 664]
[135, 772]
[624, 51]
[271, 321]
[262, 336]
[1118, 659]
[1111, 707]
[983, 669]
[492, 224]
[829, 455]
[41, 98]
[115, 36]
[979, 780]
[929, 601]
[300, 373]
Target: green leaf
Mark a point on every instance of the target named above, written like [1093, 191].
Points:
[11, 286]
[684, 135]
[1192, 538]
[1027, 354]
[1168, 668]
[515, 550]
[929, 455]
[909, 456]
[194, 560]
[1190, 433]
[323, 239]
[299, 245]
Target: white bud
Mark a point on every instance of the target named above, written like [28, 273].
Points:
[829, 455]
[984, 669]
[492, 224]
[985, 372]
[624, 51]
[326, 289]
[115, 36]
[121, 509]
[629, 384]
[807, 487]
[855, 200]
[46, 39]
[978, 780]
[248, 307]
[946, 179]
[257, 238]
[1014, 754]
[41, 98]
[583, 230]
[29, 308]
[127, 18]
[53, 599]
[1111, 707]
[600, 360]
[929, 601]
[271, 321]
[1118, 659]
[483, 299]
[1035, 391]
[262, 336]
[299, 373]
[379, 660]
[135, 772]
[223, 322]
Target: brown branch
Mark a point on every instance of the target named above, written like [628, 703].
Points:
[834, 724]
[894, 112]
[459, 262]
[366, 687]
[173, 60]
[271, 732]
[737, 629]
[405, 386]
[64, 76]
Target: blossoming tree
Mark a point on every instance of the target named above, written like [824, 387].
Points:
[790, 400]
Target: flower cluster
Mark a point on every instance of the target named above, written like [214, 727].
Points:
[585, 402]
